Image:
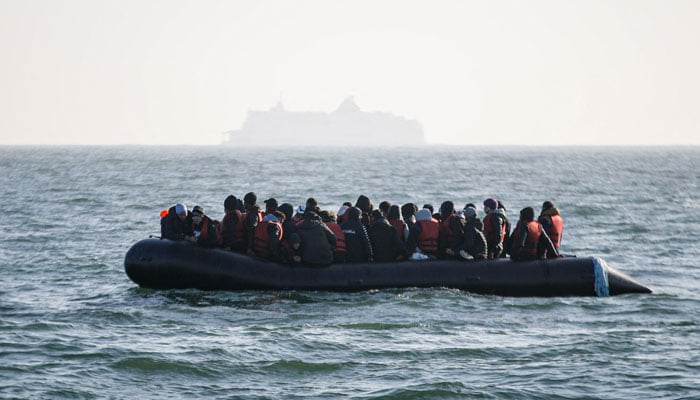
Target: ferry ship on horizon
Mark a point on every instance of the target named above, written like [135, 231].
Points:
[348, 125]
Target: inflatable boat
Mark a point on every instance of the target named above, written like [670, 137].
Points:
[166, 264]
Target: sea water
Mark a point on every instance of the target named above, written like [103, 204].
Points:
[73, 326]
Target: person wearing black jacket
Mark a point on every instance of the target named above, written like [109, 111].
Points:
[177, 225]
[290, 234]
[474, 247]
[317, 241]
[386, 243]
[451, 236]
[356, 238]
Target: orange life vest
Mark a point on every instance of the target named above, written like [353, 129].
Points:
[399, 226]
[534, 231]
[339, 235]
[555, 230]
[261, 242]
[428, 237]
[488, 227]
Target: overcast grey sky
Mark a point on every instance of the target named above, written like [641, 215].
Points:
[472, 72]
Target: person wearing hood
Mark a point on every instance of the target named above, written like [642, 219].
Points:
[366, 206]
[253, 216]
[204, 228]
[530, 241]
[268, 236]
[507, 238]
[231, 232]
[385, 240]
[451, 233]
[424, 235]
[394, 218]
[290, 234]
[474, 247]
[359, 247]
[551, 221]
[177, 224]
[317, 241]
[408, 211]
[494, 228]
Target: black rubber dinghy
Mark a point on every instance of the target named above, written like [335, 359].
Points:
[166, 264]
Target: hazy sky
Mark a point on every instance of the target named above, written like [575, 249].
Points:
[472, 72]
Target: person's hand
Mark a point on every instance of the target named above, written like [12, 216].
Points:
[449, 252]
[296, 259]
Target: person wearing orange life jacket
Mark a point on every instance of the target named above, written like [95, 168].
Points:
[204, 228]
[424, 234]
[340, 251]
[551, 221]
[394, 218]
[530, 241]
[451, 233]
[232, 227]
[267, 237]
[253, 216]
[176, 224]
[494, 228]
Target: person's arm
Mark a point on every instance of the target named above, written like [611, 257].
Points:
[545, 247]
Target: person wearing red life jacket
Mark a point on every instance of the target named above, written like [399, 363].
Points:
[394, 218]
[494, 228]
[232, 227]
[451, 233]
[340, 251]
[204, 228]
[551, 221]
[530, 241]
[424, 235]
[253, 216]
[268, 236]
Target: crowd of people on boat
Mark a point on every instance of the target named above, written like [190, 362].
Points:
[362, 233]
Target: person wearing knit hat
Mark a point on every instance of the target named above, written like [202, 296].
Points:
[552, 223]
[176, 225]
[494, 228]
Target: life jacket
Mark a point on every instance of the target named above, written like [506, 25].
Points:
[207, 233]
[339, 235]
[534, 231]
[555, 230]
[399, 226]
[428, 237]
[488, 227]
[261, 242]
[445, 225]
[238, 229]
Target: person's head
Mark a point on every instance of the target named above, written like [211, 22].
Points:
[527, 214]
[197, 214]
[384, 207]
[231, 203]
[299, 212]
[469, 212]
[446, 208]
[429, 207]
[181, 211]
[287, 209]
[354, 214]
[468, 205]
[547, 205]
[501, 206]
[347, 204]
[408, 210]
[490, 204]
[270, 205]
[249, 199]
[311, 204]
[377, 214]
[394, 212]
[364, 204]
[424, 215]
[325, 216]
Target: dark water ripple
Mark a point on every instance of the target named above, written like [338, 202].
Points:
[73, 326]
